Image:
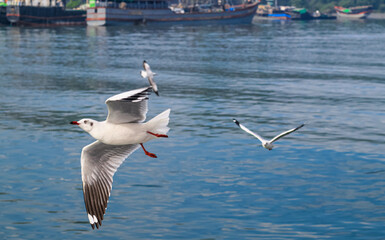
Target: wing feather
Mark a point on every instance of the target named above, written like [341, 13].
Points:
[248, 131]
[99, 163]
[129, 106]
[286, 133]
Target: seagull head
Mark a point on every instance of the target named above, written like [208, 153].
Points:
[85, 124]
[268, 145]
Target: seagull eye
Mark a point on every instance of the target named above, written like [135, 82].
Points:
[85, 121]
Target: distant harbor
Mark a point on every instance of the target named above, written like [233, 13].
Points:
[134, 12]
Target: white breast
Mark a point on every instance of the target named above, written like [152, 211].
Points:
[121, 134]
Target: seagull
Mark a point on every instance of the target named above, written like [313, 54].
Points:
[265, 143]
[116, 138]
[149, 75]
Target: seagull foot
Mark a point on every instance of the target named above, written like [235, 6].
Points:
[148, 153]
[158, 135]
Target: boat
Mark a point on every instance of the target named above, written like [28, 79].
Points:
[317, 15]
[23, 13]
[298, 13]
[104, 12]
[3, 15]
[360, 12]
[273, 13]
[3, 12]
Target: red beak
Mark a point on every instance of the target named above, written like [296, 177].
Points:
[74, 123]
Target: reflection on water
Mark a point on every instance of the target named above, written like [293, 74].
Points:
[211, 180]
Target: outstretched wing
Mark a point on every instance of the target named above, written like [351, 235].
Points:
[99, 163]
[129, 106]
[248, 131]
[286, 133]
[143, 74]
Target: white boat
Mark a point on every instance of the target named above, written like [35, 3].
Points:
[360, 12]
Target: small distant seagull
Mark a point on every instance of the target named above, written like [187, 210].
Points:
[267, 144]
[150, 76]
[116, 138]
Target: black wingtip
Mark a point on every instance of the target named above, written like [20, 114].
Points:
[157, 93]
[236, 121]
[299, 127]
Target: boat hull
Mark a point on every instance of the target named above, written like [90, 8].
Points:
[275, 16]
[44, 16]
[362, 15]
[360, 12]
[3, 15]
[104, 16]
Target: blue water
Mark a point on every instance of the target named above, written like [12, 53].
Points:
[211, 180]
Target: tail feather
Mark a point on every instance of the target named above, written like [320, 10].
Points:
[159, 123]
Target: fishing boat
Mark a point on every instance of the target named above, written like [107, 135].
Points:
[44, 13]
[104, 12]
[3, 12]
[317, 15]
[299, 13]
[273, 13]
[360, 12]
[3, 15]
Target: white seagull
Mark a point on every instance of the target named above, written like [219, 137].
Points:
[265, 143]
[150, 76]
[116, 138]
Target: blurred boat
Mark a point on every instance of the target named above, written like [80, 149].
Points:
[274, 13]
[360, 12]
[318, 15]
[298, 13]
[44, 13]
[3, 12]
[289, 13]
[105, 12]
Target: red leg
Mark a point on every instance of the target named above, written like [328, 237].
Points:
[157, 135]
[148, 153]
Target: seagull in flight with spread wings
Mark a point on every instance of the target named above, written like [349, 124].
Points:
[265, 143]
[116, 138]
[150, 76]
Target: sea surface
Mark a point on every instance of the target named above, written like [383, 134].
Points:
[211, 180]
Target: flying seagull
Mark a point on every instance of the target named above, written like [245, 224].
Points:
[116, 138]
[150, 76]
[265, 143]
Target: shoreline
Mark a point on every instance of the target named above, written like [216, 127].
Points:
[376, 16]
